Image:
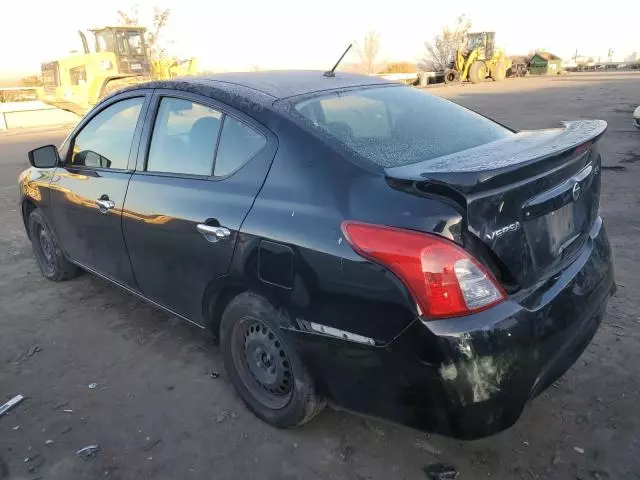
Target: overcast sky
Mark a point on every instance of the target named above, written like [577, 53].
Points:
[277, 34]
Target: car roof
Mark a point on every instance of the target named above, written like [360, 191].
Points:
[263, 88]
[255, 93]
[290, 83]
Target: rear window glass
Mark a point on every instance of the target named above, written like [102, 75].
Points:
[396, 126]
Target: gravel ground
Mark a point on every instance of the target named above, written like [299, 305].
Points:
[156, 412]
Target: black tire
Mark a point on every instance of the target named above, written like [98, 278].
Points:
[499, 73]
[263, 364]
[49, 257]
[477, 72]
[451, 76]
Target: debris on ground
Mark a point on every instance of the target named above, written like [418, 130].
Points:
[344, 449]
[556, 459]
[4, 408]
[222, 416]
[33, 350]
[615, 168]
[600, 473]
[214, 374]
[426, 446]
[66, 429]
[373, 428]
[34, 463]
[579, 450]
[48, 442]
[17, 427]
[68, 410]
[93, 385]
[89, 451]
[441, 471]
[150, 443]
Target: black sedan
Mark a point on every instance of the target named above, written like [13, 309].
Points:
[346, 239]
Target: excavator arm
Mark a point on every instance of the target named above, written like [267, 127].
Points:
[464, 71]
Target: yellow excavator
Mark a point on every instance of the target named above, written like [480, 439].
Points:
[118, 57]
[477, 60]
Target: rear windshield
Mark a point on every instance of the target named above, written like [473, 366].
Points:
[397, 126]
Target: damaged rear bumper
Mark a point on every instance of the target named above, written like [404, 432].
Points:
[471, 377]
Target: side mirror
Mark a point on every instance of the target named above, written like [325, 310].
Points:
[44, 157]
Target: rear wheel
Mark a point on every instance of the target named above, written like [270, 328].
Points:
[499, 72]
[49, 257]
[451, 76]
[477, 72]
[264, 366]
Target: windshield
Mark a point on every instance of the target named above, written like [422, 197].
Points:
[396, 126]
[134, 41]
[127, 42]
[475, 41]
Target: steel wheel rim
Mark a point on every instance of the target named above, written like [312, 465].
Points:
[262, 363]
[45, 247]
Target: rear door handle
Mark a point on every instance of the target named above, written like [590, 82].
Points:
[213, 234]
[104, 205]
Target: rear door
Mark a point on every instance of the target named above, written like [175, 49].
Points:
[200, 167]
[88, 191]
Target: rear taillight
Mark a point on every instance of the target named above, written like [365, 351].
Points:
[443, 278]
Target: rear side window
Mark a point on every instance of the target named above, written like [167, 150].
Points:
[184, 138]
[105, 141]
[396, 126]
[239, 143]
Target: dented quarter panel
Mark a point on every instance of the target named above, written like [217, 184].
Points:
[484, 367]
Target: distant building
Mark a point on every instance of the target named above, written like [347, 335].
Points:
[545, 63]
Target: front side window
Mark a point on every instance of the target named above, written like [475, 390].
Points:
[184, 138]
[105, 42]
[105, 141]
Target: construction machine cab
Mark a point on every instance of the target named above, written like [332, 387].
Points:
[484, 42]
[128, 46]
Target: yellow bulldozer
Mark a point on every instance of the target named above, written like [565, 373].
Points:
[477, 60]
[117, 58]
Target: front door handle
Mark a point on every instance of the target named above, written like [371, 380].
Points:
[104, 205]
[213, 234]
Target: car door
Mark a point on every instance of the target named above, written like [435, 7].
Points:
[200, 166]
[88, 190]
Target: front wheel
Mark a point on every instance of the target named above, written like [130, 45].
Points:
[49, 257]
[264, 365]
[477, 72]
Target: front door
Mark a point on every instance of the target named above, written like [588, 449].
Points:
[88, 191]
[198, 173]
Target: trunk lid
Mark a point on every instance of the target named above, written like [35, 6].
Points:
[530, 198]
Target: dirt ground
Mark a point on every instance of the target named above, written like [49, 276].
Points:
[156, 412]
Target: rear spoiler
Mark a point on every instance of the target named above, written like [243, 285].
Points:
[522, 156]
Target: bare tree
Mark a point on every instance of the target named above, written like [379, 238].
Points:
[159, 22]
[153, 35]
[129, 18]
[368, 50]
[441, 50]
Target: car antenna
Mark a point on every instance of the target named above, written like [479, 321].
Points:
[329, 73]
